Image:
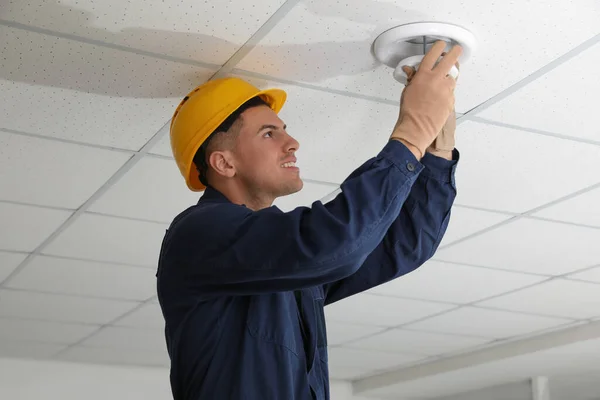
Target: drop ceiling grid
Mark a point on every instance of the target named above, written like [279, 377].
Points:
[371, 99]
[497, 97]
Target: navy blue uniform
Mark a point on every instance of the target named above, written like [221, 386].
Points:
[243, 291]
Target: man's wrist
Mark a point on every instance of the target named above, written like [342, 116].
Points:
[411, 147]
[447, 154]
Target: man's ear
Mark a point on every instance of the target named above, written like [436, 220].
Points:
[222, 163]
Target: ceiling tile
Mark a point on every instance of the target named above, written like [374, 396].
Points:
[341, 133]
[563, 101]
[187, 29]
[43, 331]
[560, 298]
[118, 356]
[372, 360]
[28, 350]
[8, 263]
[329, 43]
[153, 190]
[582, 209]
[381, 311]
[340, 332]
[493, 324]
[85, 278]
[311, 192]
[147, 316]
[127, 338]
[163, 147]
[467, 221]
[64, 174]
[60, 308]
[111, 239]
[527, 245]
[496, 174]
[72, 90]
[346, 373]
[453, 283]
[412, 342]
[590, 275]
[16, 233]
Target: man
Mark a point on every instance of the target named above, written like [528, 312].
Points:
[242, 285]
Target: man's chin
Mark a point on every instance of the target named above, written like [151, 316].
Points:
[292, 187]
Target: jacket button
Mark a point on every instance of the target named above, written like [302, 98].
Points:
[410, 167]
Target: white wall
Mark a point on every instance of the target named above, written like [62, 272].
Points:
[34, 380]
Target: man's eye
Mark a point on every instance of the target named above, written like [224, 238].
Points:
[269, 134]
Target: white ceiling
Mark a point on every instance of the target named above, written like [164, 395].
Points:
[88, 185]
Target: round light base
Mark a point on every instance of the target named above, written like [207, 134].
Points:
[401, 45]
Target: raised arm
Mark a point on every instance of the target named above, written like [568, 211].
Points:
[413, 237]
[226, 248]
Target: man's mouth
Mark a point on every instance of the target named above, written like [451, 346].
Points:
[288, 165]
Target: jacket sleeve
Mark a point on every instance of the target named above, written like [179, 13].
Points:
[413, 237]
[224, 248]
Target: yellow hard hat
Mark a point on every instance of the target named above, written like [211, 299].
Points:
[203, 110]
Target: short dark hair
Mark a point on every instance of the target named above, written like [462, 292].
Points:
[201, 154]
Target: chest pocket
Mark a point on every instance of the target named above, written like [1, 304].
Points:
[273, 318]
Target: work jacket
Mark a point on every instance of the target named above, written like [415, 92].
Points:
[242, 292]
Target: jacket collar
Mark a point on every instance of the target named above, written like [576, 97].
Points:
[212, 195]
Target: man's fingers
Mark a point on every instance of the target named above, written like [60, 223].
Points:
[409, 71]
[433, 55]
[449, 60]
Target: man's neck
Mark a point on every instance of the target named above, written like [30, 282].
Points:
[242, 196]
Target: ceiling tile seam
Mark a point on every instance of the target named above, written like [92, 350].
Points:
[476, 302]
[510, 271]
[525, 214]
[402, 325]
[67, 141]
[488, 210]
[480, 232]
[558, 338]
[113, 46]
[30, 342]
[260, 34]
[34, 205]
[534, 130]
[407, 325]
[50, 321]
[125, 217]
[133, 160]
[339, 92]
[12, 251]
[111, 323]
[73, 295]
[578, 271]
[422, 300]
[557, 221]
[529, 314]
[376, 351]
[90, 260]
[457, 335]
[561, 199]
[532, 77]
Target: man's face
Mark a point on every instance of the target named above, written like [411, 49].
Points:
[265, 155]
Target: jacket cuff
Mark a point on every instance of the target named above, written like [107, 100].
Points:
[399, 155]
[439, 168]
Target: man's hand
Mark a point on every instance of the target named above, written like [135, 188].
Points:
[427, 101]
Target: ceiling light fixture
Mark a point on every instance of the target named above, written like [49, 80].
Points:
[405, 45]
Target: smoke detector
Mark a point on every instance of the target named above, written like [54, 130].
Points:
[405, 45]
